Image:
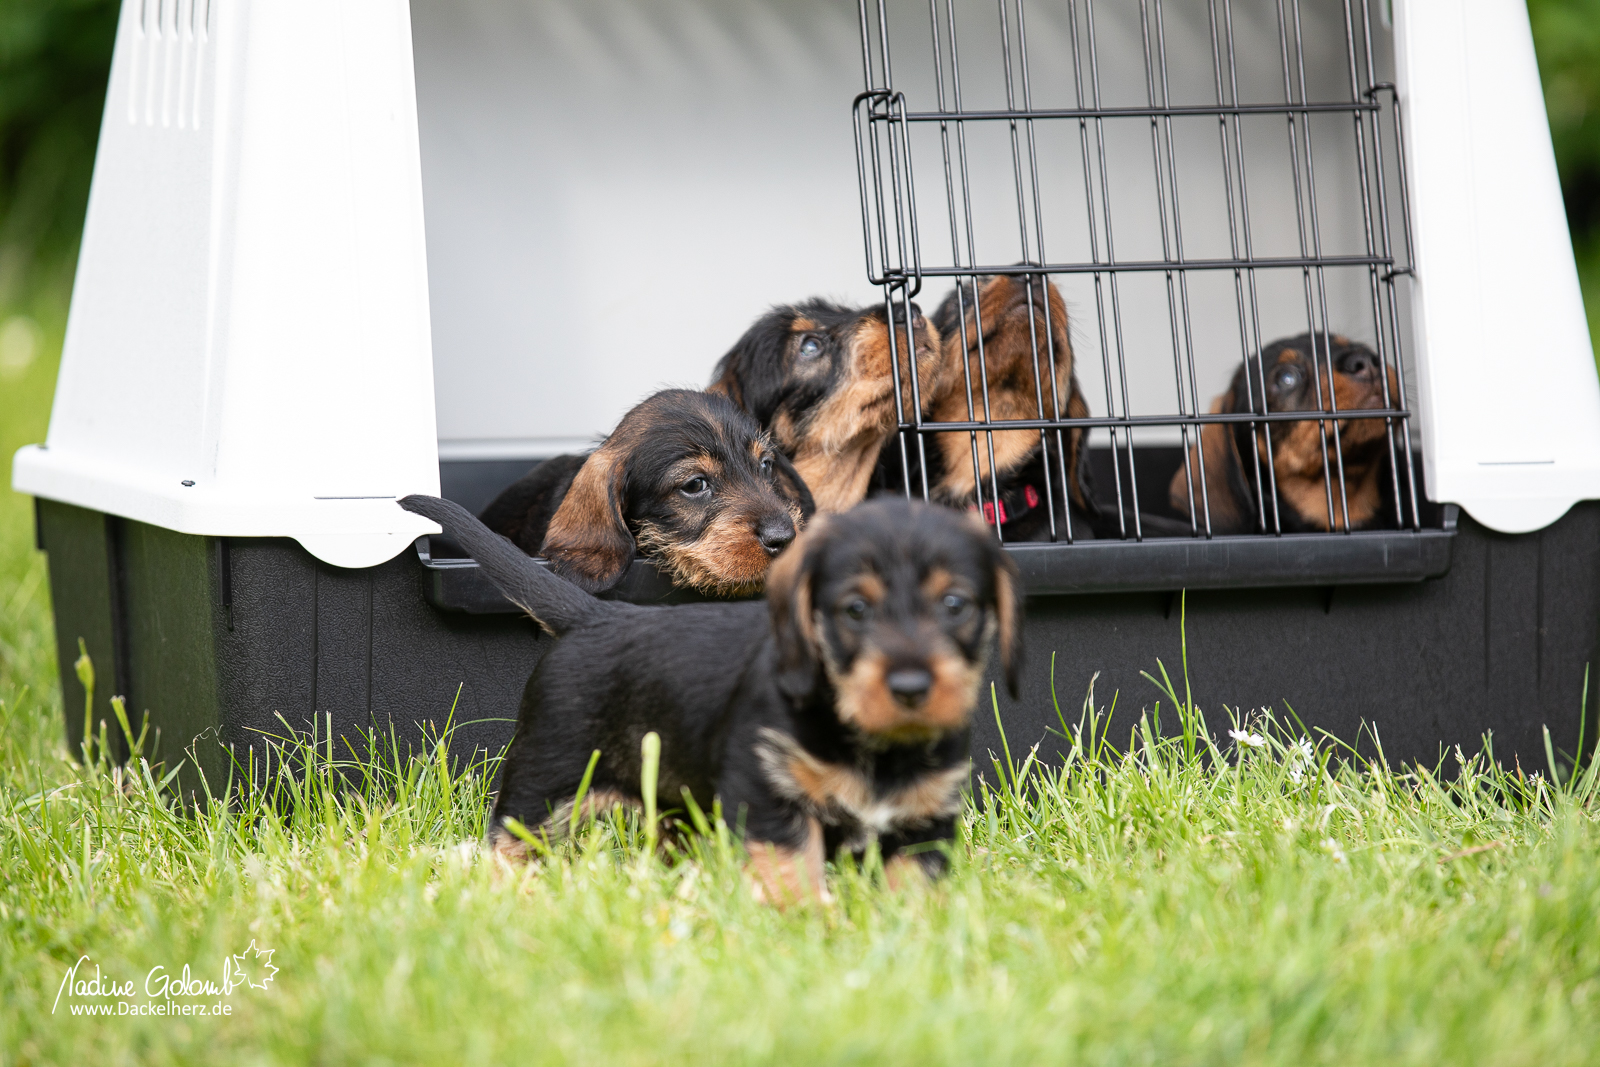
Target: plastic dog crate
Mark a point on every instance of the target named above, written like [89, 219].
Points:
[338, 252]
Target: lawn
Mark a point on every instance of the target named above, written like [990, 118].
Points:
[1157, 901]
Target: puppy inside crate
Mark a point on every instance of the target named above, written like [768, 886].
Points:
[1008, 356]
[692, 479]
[833, 716]
[1299, 476]
[686, 477]
[821, 378]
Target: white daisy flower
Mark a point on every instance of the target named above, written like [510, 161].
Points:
[1302, 757]
[1248, 739]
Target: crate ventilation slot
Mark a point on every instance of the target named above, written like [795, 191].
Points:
[167, 63]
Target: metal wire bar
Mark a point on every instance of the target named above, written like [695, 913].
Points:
[890, 285]
[977, 305]
[1179, 344]
[1094, 256]
[1111, 257]
[1238, 276]
[1129, 421]
[1151, 111]
[955, 230]
[1109, 266]
[1183, 283]
[1253, 343]
[1049, 327]
[1389, 279]
[1366, 125]
[1301, 227]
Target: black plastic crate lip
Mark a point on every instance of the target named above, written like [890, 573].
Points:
[1155, 565]
[1165, 564]
[459, 585]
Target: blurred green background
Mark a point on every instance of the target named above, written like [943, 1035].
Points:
[54, 56]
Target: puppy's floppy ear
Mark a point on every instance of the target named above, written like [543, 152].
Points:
[1008, 603]
[751, 374]
[588, 541]
[727, 382]
[789, 599]
[791, 486]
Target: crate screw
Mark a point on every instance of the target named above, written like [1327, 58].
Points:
[188, 481]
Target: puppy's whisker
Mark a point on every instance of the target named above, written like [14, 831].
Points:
[718, 563]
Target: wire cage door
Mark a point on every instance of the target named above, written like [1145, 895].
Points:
[1199, 178]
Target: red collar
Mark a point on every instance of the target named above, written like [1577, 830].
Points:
[1021, 504]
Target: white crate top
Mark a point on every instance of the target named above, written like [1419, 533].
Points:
[614, 188]
[247, 352]
[1509, 402]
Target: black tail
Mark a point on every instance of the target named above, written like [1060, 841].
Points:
[555, 603]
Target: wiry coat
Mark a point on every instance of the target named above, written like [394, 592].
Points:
[686, 478]
[834, 715]
[822, 378]
[1008, 354]
[1286, 475]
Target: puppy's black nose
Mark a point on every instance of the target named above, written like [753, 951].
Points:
[910, 687]
[775, 534]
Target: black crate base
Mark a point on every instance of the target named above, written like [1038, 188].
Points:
[218, 638]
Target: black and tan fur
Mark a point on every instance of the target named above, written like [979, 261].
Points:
[832, 716]
[686, 478]
[1351, 375]
[821, 377]
[1013, 337]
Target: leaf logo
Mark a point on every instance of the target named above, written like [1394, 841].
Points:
[253, 965]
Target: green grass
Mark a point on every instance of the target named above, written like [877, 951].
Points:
[1152, 907]
[1177, 904]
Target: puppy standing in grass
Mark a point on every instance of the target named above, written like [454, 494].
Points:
[821, 378]
[831, 716]
[686, 477]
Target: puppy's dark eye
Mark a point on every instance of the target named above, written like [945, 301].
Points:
[1286, 379]
[955, 605]
[857, 609]
[699, 485]
[810, 348]
[766, 464]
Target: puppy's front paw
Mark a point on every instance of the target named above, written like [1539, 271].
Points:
[783, 875]
[906, 872]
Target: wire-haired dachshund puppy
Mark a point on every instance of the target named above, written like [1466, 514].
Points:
[821, 378]
[833, 715]
[1291, 455]
[686, 478]
[1010, 357]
